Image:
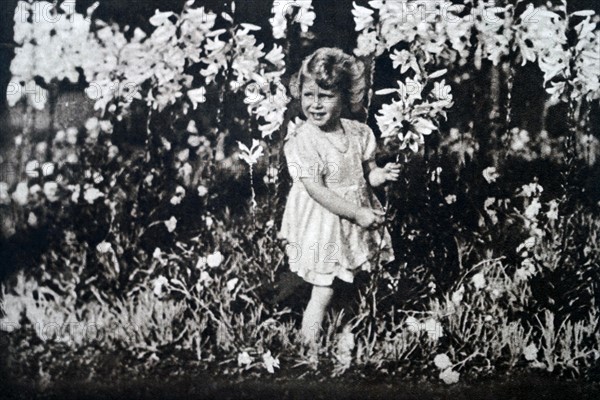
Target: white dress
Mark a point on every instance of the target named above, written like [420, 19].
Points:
[320, 244]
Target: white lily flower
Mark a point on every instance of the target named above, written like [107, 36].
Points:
[215, 259]
[530, 352]
[91, 194]
[244, 359]
[478, 280]
[231, 284]
[50, 190]
[251, 155]
[21, 193]
[158, 285]
[159, 18]
[442, 361]
[202, 190]
[197, 96]
[269, 362]
[171, 224]
[103, 247]
[363, 17]
[449, 376]
[31, 168]
[490, 174]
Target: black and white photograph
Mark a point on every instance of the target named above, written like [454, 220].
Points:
[300, 199]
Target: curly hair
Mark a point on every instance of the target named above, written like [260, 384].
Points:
[332, 69]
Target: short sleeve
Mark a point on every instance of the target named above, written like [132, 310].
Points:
[369, 144]
[303, 159]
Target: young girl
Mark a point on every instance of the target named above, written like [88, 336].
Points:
[331, 217]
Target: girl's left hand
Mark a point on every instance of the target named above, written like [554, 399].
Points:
[379, 176]
[391, 171]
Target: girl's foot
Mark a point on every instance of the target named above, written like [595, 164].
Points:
[309, 350]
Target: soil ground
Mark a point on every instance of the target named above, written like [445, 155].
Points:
[210, 387]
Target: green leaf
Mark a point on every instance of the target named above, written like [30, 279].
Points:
[437, 74]
[385, 91]
[583, 13]
[227, 17]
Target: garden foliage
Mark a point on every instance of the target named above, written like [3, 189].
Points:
[161, 213]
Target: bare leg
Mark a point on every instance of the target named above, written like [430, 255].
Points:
[315, 312]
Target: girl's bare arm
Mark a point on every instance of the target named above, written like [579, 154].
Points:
[363, 216]
[329, 199]
[369, 167]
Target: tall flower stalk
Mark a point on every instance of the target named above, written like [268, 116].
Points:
[251, 156]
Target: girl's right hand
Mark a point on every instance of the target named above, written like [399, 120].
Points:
[369, 218]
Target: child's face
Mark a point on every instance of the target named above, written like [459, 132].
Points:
[321, 107]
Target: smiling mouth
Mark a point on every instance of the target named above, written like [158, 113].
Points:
[317, 115]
